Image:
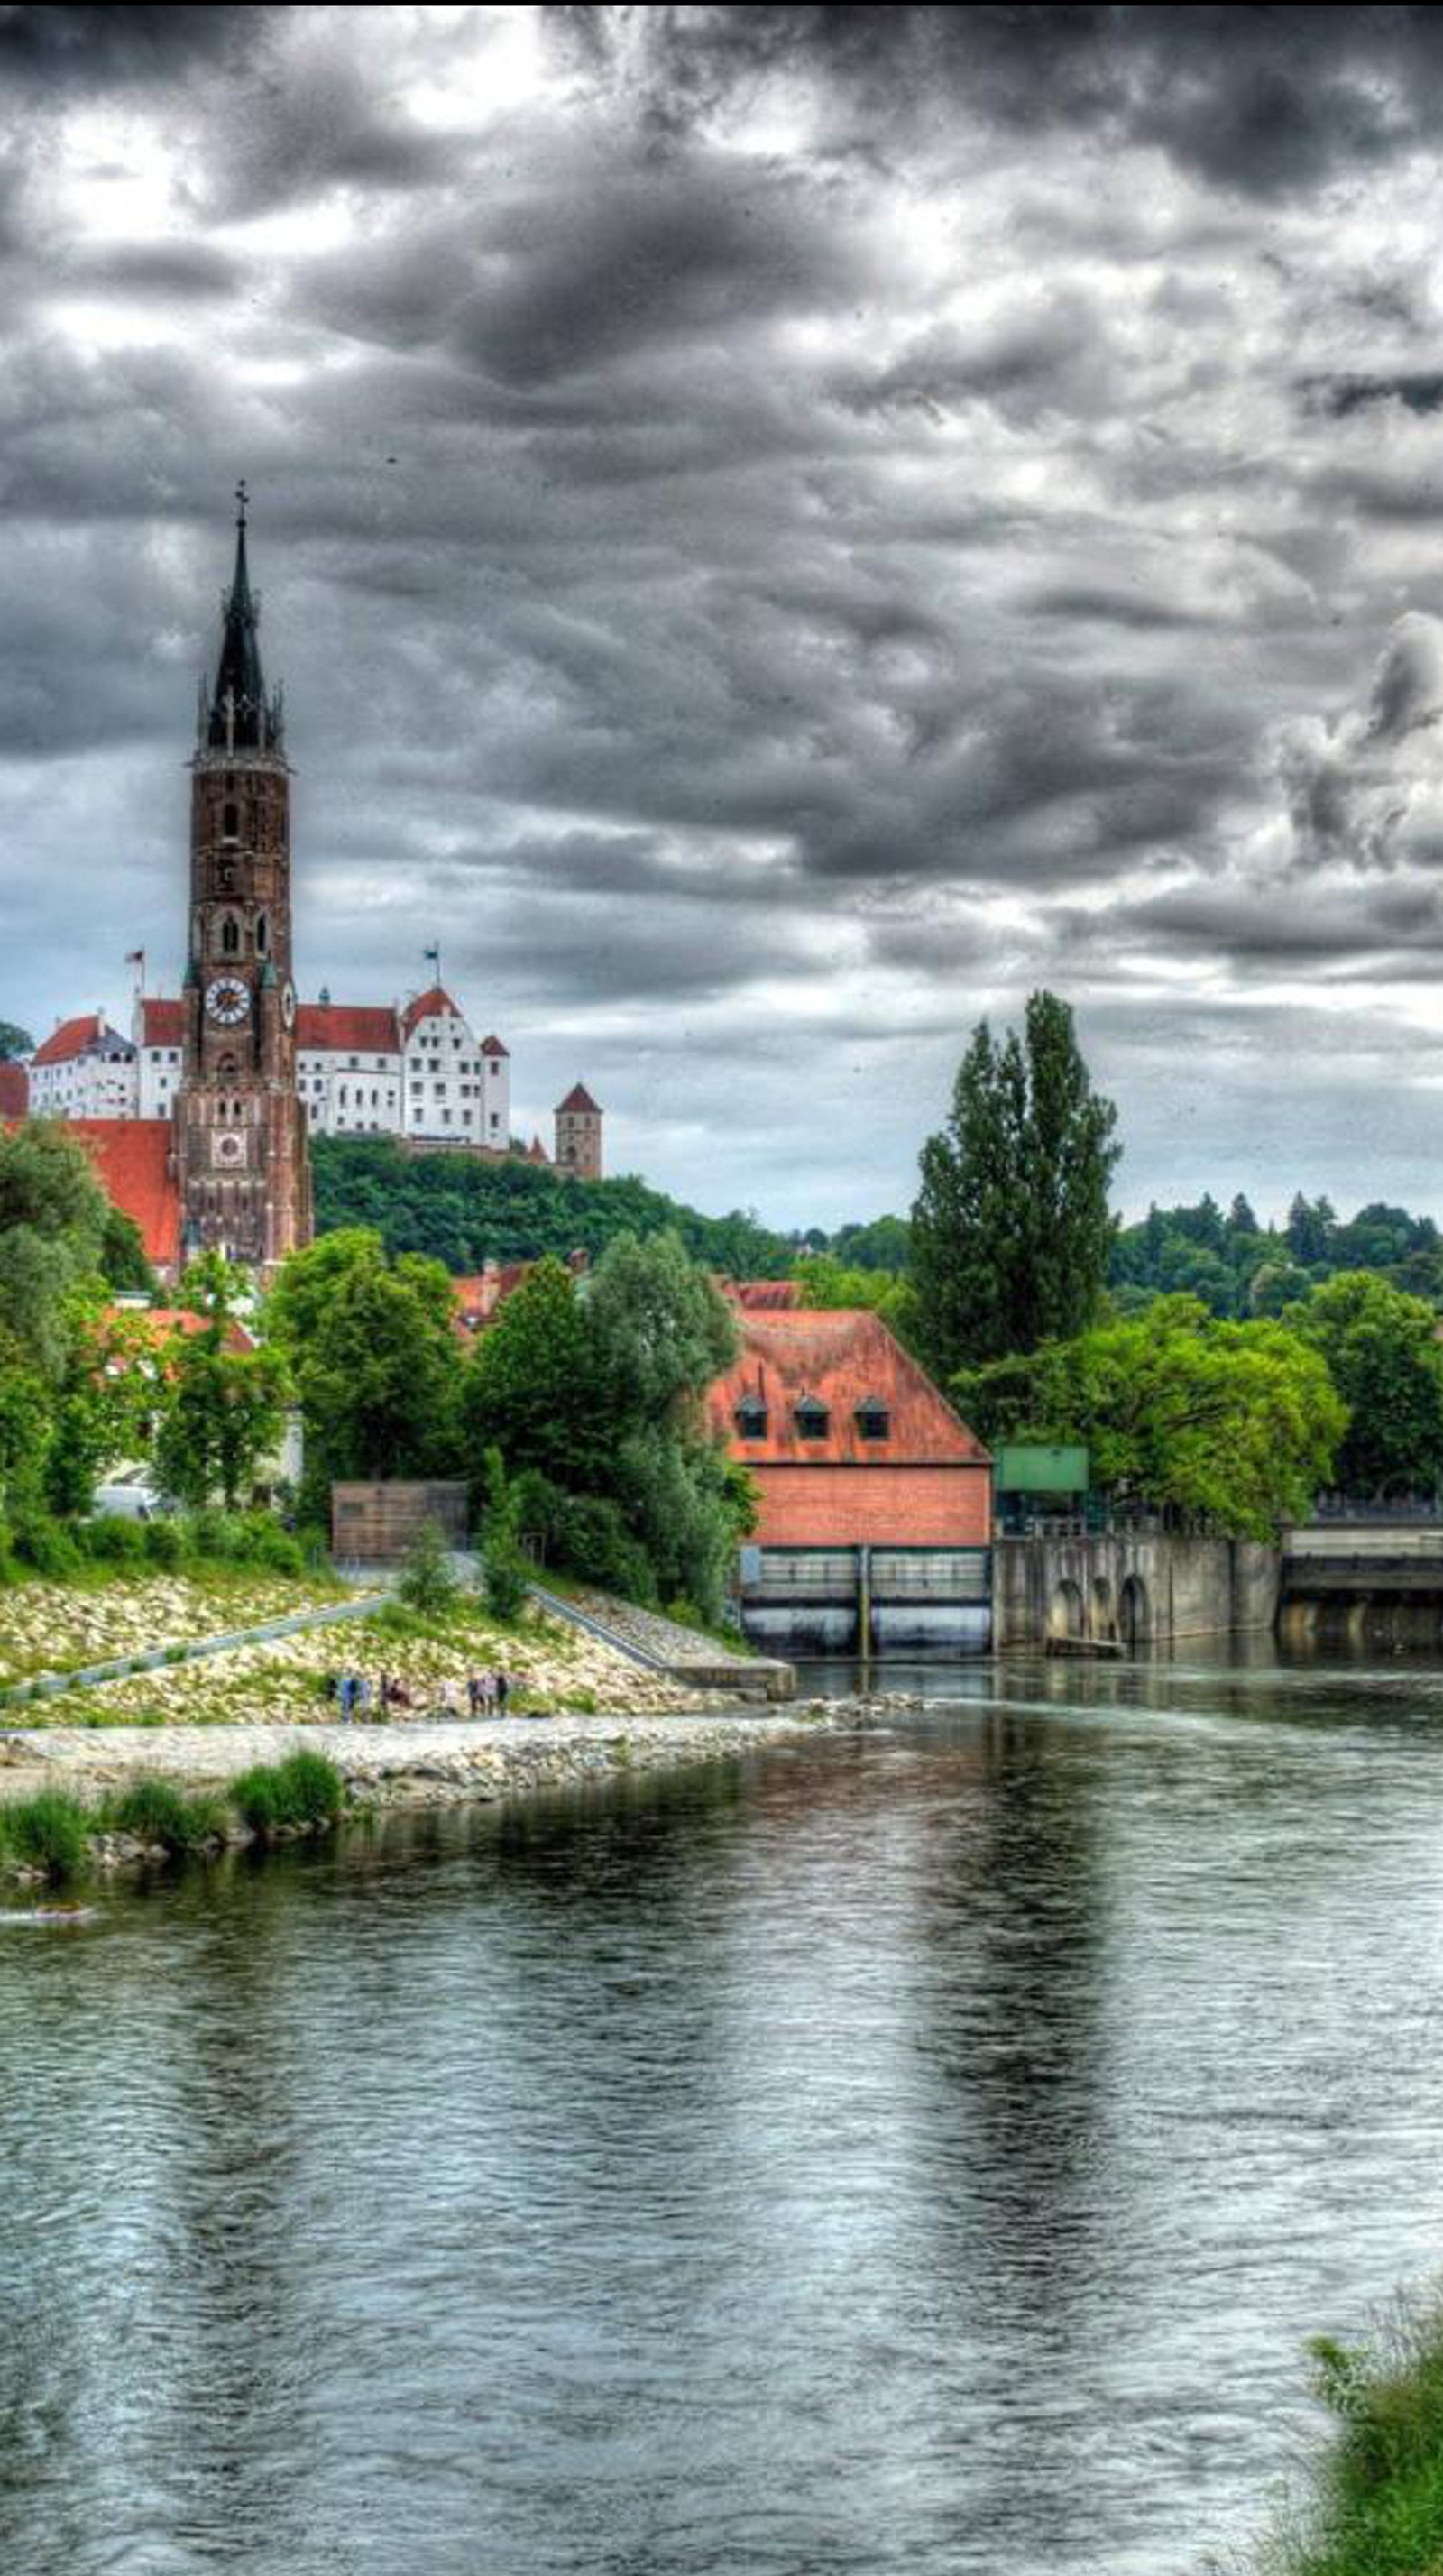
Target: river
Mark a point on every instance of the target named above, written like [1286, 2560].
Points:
[924, 2150]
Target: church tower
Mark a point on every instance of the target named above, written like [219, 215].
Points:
[240, 1142]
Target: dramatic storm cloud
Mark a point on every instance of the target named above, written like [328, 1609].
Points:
[782, 529]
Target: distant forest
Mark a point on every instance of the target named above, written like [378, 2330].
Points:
[464, 1213]
[1240, 1268]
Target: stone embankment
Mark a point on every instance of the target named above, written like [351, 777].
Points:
[423, 1764]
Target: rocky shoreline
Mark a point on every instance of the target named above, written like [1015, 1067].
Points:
[432, 1763]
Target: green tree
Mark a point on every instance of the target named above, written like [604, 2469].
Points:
[505, 1574]
[1383, 1355]
[14, 1041]
[429, 1581]
[659, 1330]
[1010, 1231]
[53, 1218]
[1233, 1427]
[1310, 1230]
[222, 1408]
[531, 1389]
[372, 1348]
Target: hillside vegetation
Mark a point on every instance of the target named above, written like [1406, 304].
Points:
[463, 1213]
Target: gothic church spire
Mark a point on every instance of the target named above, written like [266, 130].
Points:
[238, 716]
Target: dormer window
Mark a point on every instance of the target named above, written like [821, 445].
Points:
[812, 1419]
[750, 1418]
[872, 1419]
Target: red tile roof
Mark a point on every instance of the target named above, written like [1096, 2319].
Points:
[434, 1005]
[69, 1040]
[347, 1028]
[132, 1163]
[14, 1091]
[839, 1358]
[478, 1298]
[578, 1099]
[493, 1046]
[159, 1322]
[760, 1296]
[162, 1022]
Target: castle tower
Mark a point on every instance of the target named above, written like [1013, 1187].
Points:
[578, 1135]
[240, 1146]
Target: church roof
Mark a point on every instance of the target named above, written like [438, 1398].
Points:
[76, 1038]
[432, 1005]
[579, 1101]
[132, 1165]
[347, 1028]
[162, 1022]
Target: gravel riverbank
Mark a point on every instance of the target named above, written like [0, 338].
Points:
[430, 1763]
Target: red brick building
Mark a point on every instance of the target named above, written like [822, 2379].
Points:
[848, 1438]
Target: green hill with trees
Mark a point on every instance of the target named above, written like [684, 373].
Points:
[462, 1213]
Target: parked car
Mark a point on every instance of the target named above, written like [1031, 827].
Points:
[130, 1496]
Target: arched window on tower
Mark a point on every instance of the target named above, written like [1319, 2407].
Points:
[262, 934]
[230, 823]
[230, 936]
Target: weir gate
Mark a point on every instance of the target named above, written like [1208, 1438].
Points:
[1366, 1575]
[1077, 1591]
[867, 1601]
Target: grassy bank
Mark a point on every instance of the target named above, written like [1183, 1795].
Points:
[51, 1627]
[548, 1664]
[1378, 2506]
[56, 1837]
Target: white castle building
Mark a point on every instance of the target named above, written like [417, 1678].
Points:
[418, 1072]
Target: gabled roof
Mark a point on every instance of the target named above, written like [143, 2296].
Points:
[842, 1359]
[14, 1091]
[579, 1100]
[536, 1151]
[73, 1038]
[759, 1296]
[433, 1005]
[162, 1022]
[493, 1046]
[132, 1164]
[347, 1028]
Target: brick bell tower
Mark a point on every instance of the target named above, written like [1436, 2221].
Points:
[240, 1138]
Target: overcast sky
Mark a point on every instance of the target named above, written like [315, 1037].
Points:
[782, 531]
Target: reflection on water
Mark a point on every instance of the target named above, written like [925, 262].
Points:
[927, 2149]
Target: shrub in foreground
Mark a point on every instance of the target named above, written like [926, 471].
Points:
[157, 1813]
[49, 1831]
[1379, 2501]
[274, 1798]
[429, 1582]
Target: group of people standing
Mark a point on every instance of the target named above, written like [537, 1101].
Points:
[488, 1694]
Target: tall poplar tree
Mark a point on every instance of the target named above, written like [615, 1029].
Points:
[1011, 1230]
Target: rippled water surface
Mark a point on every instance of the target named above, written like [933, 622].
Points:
[925, 2152]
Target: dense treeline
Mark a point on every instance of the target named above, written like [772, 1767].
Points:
[463, 1213]
[1239, 1267]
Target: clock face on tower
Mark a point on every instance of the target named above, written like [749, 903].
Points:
[288, 1003]
[228, 1000]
